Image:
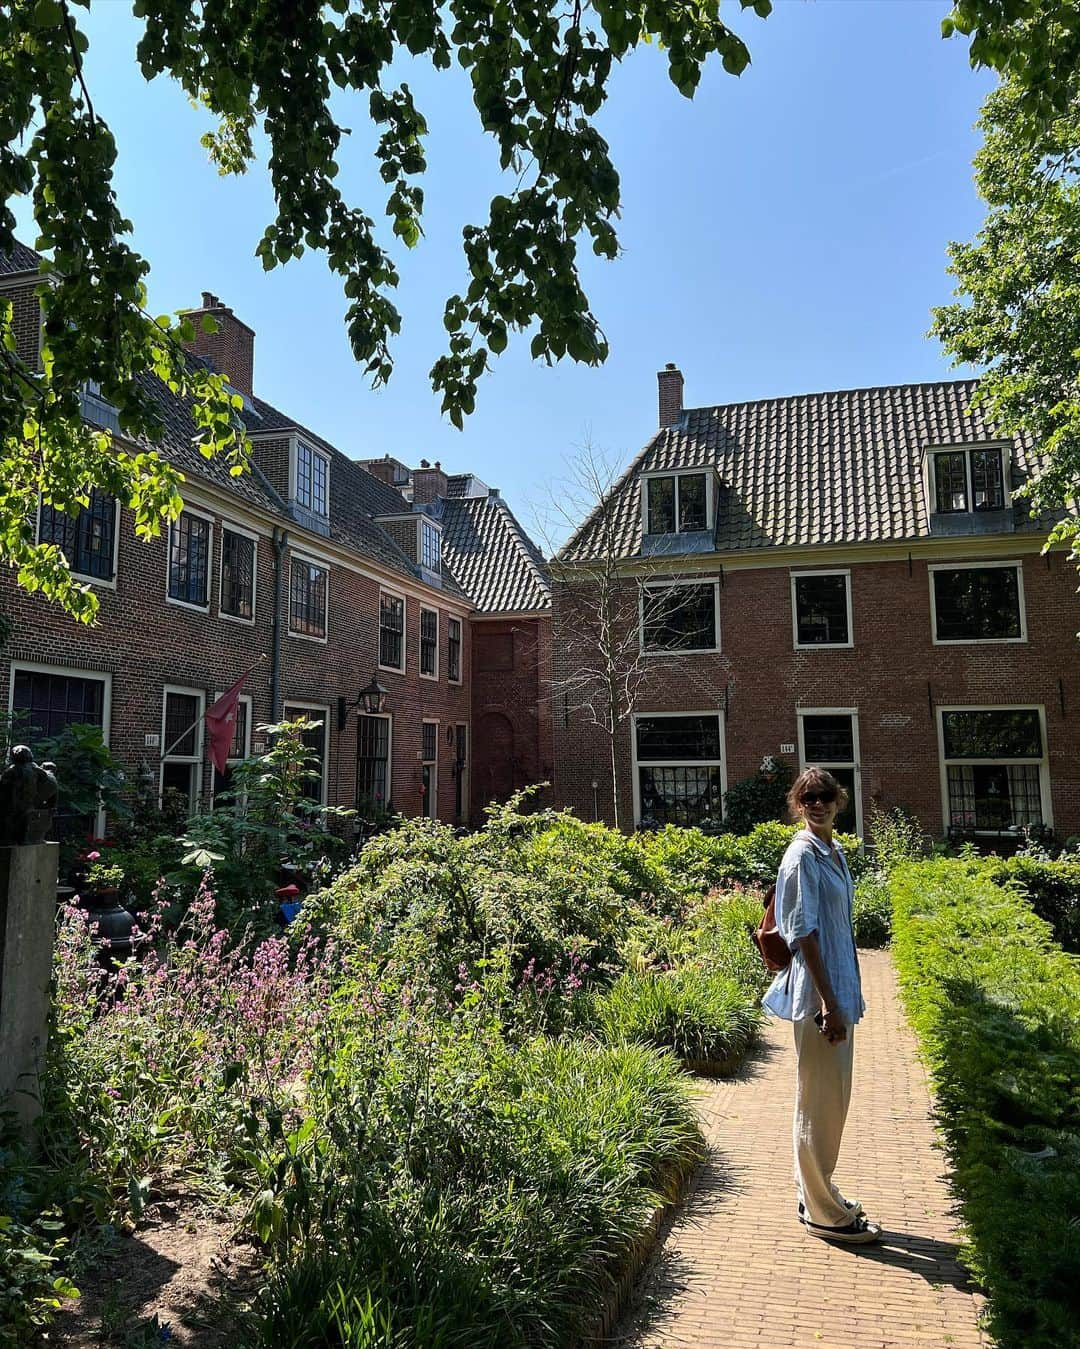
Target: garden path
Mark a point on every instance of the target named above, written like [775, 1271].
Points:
[738, 1272]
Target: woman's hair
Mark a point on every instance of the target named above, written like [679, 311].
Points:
[814, 779]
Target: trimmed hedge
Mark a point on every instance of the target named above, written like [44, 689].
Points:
[996, 1005]
[1053, 890]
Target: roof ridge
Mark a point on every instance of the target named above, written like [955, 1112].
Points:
[834, 393]
[524, 544]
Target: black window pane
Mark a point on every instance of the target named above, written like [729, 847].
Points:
[237, 575]
[429, 633]
[453, 652]
[993, 734]
[391, 631]
[189, 559]
[678, 738]
[661, 499]
[429, 742]
[950, 481]
[821, 610]
[86, 539]
[372, 761]
[307, 598]
[692, 502]
[829, 739]
[683, 796]
[53, 701]
[313, 737]
[181, 724]
[987, 482]
[680, 618]
[975, 603]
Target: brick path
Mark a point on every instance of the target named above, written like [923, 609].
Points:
[709, 1286]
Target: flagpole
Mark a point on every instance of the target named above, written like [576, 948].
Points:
[187, 731]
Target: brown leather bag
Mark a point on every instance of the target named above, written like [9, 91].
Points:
[774, 949]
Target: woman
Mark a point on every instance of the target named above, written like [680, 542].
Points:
[821, 992]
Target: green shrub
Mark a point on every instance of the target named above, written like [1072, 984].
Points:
[1052, 889]
[701, 1016]
[996, 1005]
[759, 799]
[722, 927]
[766, 844]
[872, 910]
[695, 861]
[31, 1289]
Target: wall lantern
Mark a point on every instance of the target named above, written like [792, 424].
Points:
[370, 700]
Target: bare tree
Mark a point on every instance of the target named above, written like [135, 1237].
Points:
[608, 608]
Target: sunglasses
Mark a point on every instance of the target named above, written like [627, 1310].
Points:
[816, 798]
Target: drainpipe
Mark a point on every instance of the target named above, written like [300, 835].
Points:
[281, 540]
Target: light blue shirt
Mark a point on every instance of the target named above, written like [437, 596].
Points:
[814, 893]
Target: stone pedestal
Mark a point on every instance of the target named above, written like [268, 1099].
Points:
[27, 926]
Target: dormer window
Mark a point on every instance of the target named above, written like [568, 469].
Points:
[312, 484]
[968, 480]
[677, 503]
[430, 546]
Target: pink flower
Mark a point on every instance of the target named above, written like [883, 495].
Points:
[92, 856]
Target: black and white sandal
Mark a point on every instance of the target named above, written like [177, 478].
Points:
[858, 1232]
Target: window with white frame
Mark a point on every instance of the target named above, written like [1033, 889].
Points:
[829, 738]
[821, 608]
[309, 592]
[676, 503]
[238, 750]
[372, 763]
[968, 480]
[680, 616]
[189, 560]
[87, 539]
[314, 739]
[430, 546]
[678, 767]
[994, 765]
[312, 479]
[182, 746]
[977, 602]
[429, 643]
[391, 631]
[429, 767]
[237, 598]
[453, 650]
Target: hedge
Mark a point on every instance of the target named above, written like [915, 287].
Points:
[996, 1005]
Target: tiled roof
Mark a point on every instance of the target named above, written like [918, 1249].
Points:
[492, 557]
[815, 469]
[20, 259]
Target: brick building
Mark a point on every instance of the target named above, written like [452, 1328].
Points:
[320, 573]
[841, 578]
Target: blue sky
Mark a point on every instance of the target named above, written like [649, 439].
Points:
[783, 232]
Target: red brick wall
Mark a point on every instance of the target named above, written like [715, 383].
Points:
[272, 457]
[232, 347]
[884, 675]
[25, 317]
[512, 737]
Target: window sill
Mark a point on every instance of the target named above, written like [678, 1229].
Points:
[391, 669]
[980, 641]
[308, 637]
[431, 678]
[235, 618]
[187, 604]
[823, 646]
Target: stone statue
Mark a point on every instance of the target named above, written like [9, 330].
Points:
[28, 794]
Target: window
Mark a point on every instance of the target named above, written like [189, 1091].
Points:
[677, 504]
[453, 650]
[679, 768]
[372, 763]
[968, 480]
[238, 750]
[460, 771]
[189, 560]
[392, 631]
[994, 764]
[87, 539]
[821, 604]
[429, 768]
[829, 738]
[977, 603]
[680, 617]
[182, 745]
[430, 546]
[309, 586]
[237, 598]
[429, 643]
[312, 479]
[313, 735]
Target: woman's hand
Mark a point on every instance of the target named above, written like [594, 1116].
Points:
[834, 1027]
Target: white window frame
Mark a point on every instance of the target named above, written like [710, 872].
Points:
[294, 474]
[186, 604]
[453, 618]
[74, 672]
[388, 717]
[85, 576]
[1016, 565]
[930, 479]
[853, 713]
[311, 561]
[431, 798]
[244, 700]
[1043, 763]
[702, 470]
[678, 585]
[425, 521]
[314, 712]
[821, 646]
[677, 763]
[427, 609]
[200, 743]
[394, 595]
[229, 527]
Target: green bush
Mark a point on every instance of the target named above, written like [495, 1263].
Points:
[996, 1005]
[760, 799]
[31, 1289]
[695, 861]
[722, 928]
[872, 910]
[1052, 889]
[701, 1016]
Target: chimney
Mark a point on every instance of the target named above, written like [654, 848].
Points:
[429, 483]
[670, 386]
[231, 349]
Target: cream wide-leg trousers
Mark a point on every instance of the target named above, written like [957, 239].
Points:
[822, 1093]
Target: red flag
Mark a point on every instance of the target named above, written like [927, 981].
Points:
[221, 723]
